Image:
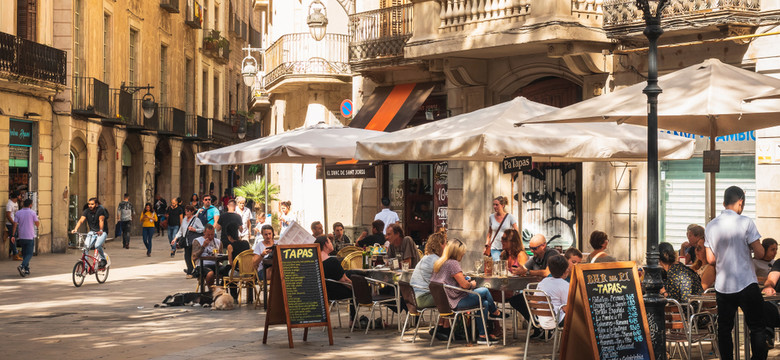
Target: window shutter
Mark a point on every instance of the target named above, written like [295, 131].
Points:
[26, 17]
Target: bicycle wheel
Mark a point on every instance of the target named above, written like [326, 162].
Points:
[102, 274]
[78, 274]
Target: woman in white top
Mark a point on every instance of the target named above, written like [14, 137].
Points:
[246, 218]
[286, 219]
[499, 222]
[189, 224]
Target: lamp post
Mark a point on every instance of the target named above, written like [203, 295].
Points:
[148, 104]
[653, 282]
[249, 72]
[317, 20]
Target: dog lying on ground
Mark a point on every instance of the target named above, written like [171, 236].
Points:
[222, 300]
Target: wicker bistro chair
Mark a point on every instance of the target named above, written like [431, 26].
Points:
[539, 305]
[352, 261]
[347, 250]
[243, 275]
[338, 302]
[447, 312]
[363, 297]
[681, 331]
[407, 292]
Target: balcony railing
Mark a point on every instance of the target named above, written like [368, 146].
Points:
[380, 34]
[622, 16]
[300, 54]
[139, 122]
[190, 126]
[171, 121]
[90, 97]
[121, 106]
[171, 6]
[204, 128]
[32, 60]
[456, 15]
[223, 131]
[215, 45]
[194, 14]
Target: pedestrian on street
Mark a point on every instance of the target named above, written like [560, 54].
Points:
[11, 207]
[285, 219]
[26, 221]
[175, 213]
[160, 206]
[191, 229]
[388, 217]
[126, 212]
[195, 201]
[729, 238]
[148, 219]
[246, 218]
[499, 222]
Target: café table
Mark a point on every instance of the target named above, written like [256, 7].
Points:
[503, 284]
[388, 276]
[218, 259]
[745, 330]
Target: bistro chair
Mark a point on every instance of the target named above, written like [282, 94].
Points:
[540, 308]
[407, 292]
[709, 310]
[338, 302]
[363, 297]
[447, 312]
[243, 275]
[352, 261]
[682, 331]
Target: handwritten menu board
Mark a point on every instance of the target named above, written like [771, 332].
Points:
[305, 294]
[606, 314]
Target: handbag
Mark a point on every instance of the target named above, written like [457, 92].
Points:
[189, 236]
[118, 229]
[487, 248]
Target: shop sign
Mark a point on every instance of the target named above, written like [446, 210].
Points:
[768, 151]
[20, 133]
[516, 164]
[440, 195]
[348, 172]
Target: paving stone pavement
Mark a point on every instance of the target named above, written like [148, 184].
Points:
[45, 317]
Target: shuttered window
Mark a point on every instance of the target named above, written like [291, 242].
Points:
[26, 19]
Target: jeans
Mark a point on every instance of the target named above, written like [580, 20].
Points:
[93, 240]
[472, 300]
[28, 246]
[125, 232]
[496, 254]
[172, 230]
[751, 302]
[12, 250]
[518, 303]
[188, 258]
[148, 234]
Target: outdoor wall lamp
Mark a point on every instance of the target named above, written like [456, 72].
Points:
[148, 105]
[317, 19]
[250, 68]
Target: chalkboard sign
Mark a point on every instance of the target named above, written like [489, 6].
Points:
[297, 296]
[606, 313]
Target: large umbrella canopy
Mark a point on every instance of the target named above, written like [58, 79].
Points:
[489, 134]
[703, 99]
[303, 146]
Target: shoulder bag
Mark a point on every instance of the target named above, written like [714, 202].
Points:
[489, 246]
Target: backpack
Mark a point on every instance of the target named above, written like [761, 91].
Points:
[125, 211]
[203, 215]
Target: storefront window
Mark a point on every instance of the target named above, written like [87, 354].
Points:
[410, 188]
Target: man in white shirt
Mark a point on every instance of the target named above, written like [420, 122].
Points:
[389, 217]
[205, 246]
[11, 207]
[728, 239]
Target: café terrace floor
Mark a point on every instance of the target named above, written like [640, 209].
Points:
[45, 316]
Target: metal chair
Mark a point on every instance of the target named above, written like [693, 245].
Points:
[540, 306]
[682, 330]
[447, 312]
[338, 302]
[363, 297]
[243, 275]
[407, 292]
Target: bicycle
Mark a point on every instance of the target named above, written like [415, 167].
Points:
[87, 264]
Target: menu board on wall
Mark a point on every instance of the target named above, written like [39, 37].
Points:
[440, 199]
[606, 314]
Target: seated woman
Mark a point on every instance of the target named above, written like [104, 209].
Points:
[599, 241]
[764, 264]
[513, 252]
[331, 268]
[705, 270]
[680, 281]
[421, 277]
[447, 270]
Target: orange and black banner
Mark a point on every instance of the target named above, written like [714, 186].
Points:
[390, 108]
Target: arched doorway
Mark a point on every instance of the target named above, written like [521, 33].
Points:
[133, 174]
[162, 169]
[77, 182]
[187, 172]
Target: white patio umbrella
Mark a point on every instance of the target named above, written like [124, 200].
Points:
[489, 134]
[316, 144]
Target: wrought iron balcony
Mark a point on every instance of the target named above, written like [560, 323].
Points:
[191, 126]
[121, 107]
[171, 6]
[379, 36]
[622, 18]
[223, 132]
[299, 56]
[204, 128]
[171, 121]
[193, 16]
[31, 61]
[216, 46]
[90, 98]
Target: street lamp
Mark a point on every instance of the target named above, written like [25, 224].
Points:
[317, 19]
[148, 105]
[250, 68]
[653, 282]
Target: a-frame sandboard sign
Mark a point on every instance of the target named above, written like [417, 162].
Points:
[297, 296]
[606, 316]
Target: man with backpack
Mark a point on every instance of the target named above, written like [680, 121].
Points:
[126, 212]
[208, 214]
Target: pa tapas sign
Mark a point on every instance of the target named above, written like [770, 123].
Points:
[347, 108]
[516, 164]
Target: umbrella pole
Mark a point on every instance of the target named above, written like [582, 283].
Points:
[324, 197]
[710, 206]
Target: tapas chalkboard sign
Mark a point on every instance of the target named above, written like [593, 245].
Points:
[606, 314]
[297, 296]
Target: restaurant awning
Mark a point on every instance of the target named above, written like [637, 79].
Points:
[390, 108]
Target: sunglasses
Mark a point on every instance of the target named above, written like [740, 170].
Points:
[533, 248]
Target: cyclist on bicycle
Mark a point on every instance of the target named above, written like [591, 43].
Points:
[96, 217]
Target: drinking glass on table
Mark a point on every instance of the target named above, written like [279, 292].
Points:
[405, 266]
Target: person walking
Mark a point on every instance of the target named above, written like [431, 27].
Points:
[191, 228]
[26, 221]
[160, 206]
[728, 240]
[148, 219]
[11, 207]
[286, 219]
[388, 217]
[246, 218]
[175, 214]
[499, 221]
[125, 212]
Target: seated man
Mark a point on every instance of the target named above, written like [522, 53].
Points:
[537, 264]
[771, 287]
[316, 229]
[340, 240]
[557, 289]
[235, 246]
[205, 246]
[401, 246]
[377, 235]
